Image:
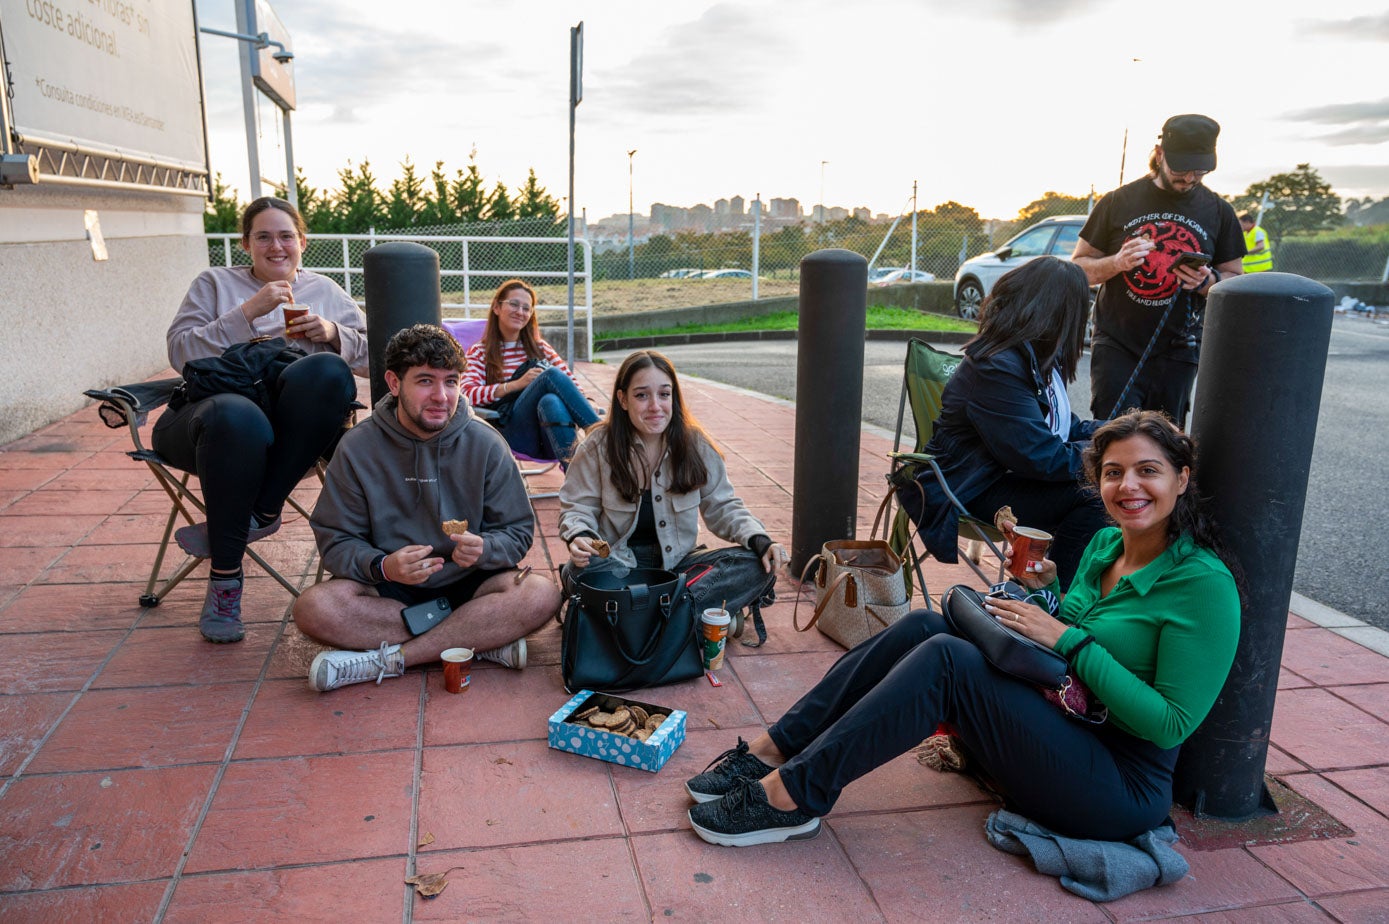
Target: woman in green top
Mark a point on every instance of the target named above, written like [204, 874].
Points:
[1150, 625]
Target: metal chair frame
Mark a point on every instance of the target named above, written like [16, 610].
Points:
[129, 406]
[923, 393]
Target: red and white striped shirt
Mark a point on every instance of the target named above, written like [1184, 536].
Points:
[481, 394]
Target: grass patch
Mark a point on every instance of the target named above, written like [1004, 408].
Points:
[879, 318]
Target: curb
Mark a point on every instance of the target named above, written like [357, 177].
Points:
[749, 336]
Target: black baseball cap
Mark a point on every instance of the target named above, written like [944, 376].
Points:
[1188, 142]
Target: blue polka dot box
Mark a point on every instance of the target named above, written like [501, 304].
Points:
[569, 734]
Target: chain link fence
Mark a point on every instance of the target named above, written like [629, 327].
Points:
[689, 268]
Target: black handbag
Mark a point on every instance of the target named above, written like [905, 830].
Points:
[1007, 650]
[502, 406]
[249, 369]
[627, 633]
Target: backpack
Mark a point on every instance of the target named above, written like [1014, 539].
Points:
[248, 369]
[734, 579]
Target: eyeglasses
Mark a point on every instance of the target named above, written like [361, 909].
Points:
[1188, 174]
[264, 238]
[517, 304]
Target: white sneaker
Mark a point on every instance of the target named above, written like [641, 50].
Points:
[333, 669]
[512, 656]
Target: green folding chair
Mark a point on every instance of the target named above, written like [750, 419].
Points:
[924, 376]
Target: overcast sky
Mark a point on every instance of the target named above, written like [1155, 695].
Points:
[987, 102]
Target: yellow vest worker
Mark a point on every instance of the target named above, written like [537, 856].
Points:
[1258, 257]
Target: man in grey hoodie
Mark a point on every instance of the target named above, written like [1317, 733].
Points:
[419, 461]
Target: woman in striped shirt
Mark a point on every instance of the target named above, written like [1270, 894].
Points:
[511, 370]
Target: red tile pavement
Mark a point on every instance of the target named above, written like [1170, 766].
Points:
[146, 775]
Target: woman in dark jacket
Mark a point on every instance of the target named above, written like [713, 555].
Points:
[1006, 435]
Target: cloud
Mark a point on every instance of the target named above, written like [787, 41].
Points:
[1364, 28]
[699, 67]
[1364, 122]
[348, 67]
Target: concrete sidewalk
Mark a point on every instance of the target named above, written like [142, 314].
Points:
[146, 775]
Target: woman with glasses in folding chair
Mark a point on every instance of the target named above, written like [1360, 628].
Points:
[1006, 435]
[511, 370]
[248, 460]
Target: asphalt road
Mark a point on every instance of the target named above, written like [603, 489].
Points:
[1340, 562]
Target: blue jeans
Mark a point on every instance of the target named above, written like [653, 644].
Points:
[546, 416]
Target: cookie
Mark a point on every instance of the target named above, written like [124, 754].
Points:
[581, 716]
[602, 719]
[452, 527]
[600, 548]
[639, 715]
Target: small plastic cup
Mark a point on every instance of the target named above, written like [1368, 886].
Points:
[714, 631]
[458, 668]
[1029, 547]
[293, 312]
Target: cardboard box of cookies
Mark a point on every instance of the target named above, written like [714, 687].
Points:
[620, 731]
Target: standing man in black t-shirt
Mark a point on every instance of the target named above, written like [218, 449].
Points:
[1130, 247]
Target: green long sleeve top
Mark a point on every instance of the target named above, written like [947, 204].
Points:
[1165, 636]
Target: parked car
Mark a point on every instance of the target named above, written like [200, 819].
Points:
[682, 273]
[727, 274]
[899, 276]
[975, 279]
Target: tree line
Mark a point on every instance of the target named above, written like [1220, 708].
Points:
[411, 202]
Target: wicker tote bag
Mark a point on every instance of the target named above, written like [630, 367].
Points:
[860, 590]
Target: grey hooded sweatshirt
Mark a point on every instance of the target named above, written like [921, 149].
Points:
[387, 488]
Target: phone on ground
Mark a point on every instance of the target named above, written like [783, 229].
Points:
[422, 617]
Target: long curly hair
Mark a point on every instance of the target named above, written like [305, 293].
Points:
[529, 337]
[626, 466]
[1189, 514]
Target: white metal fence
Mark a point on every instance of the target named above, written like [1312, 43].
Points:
[470, 269]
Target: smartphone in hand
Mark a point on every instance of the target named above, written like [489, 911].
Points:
[1194, 259]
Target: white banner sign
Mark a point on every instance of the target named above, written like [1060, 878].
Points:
[108, 75]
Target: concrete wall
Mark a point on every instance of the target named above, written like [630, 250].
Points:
[70, 322]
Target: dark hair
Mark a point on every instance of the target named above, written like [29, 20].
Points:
[529, 337]
[1044, 302]
[1245, 216]
[423, 345]
[1155, 160]
[248, 217]
[1189, 515]
[683, 434]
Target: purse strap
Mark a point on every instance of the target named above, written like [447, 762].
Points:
[825, 599]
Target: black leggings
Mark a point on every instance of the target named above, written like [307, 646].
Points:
[248, 461]
[885, 696]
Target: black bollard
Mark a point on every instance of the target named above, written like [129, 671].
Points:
[829, 400]
[1255, 418]
[402, 288]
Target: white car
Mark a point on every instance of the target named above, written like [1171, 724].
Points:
[975, 279]
[899, 276]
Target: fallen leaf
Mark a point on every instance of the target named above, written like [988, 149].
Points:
[491, 822]
[502, 760]
[426, 840]
[429, 885]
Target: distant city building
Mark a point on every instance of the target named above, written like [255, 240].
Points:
[721, 209]
[736, 207]
[863, 213]
[786, 208]
[701, 217]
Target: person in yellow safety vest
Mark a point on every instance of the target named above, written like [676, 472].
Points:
[1258, 257]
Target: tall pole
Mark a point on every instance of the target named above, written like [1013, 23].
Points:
[631, 244]
[756, 242]
[291, 181]
[913, 260]
[245, 23]
[822, 200]
[576, 95]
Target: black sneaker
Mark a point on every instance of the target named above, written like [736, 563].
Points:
[725, 770]
[744, 817]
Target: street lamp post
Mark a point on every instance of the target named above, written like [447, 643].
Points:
[631, 244]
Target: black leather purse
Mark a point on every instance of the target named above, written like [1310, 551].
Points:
[627, 633]
[1007, 650]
